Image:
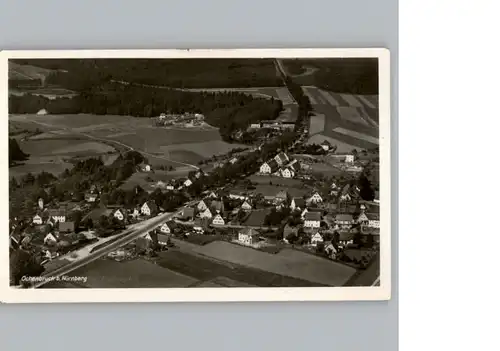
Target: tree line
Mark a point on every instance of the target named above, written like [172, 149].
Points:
[15, 152]
[80, 74]
[230, 111]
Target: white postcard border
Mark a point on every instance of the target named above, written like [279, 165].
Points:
[383, 292]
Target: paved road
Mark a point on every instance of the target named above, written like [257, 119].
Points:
[129, 235]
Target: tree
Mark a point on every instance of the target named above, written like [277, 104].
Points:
[15, 152]
[76, 217]
[366, 191]
[23, 264]
[88, 223]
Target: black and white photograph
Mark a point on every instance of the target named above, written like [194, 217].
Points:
[196, 175]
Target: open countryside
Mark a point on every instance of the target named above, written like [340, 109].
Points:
[184, 174]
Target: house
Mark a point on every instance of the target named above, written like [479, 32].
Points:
[93, 189]
[233, 160]
[119, 214]
[201, 224]
[345, 195]
[248, 236]
[187, 183]
[255, 126]
[50, 239]
[312, 219]
[237, 196]
[206, 213]
[151, 237]
[269, 167]
[170, 186]
[149, 208]
[40, 203]
[162, 239]
[135, 213]
[281, 196]
[202, 206]
[37, 219]
[245, 206]
[166, 228]
[325, 145]
[281, 159]
[287, 173]
[188, 213]
[297, 203]
[144, 167]
[349, 158]
[315, 198]
[363, 218]
[373, 220]
[316, 239]
[344, 220]
[218, 220]
[333, 185]
[212, 195]
[90, 197]
[57, 215]
[66, 227]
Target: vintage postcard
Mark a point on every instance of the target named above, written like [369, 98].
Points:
[195, 175]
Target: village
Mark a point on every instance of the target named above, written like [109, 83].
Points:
[284, 204]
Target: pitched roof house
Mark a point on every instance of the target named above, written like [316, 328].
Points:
[218, 220]
[50, 239]
[316, 239]
[245, 206]
[281, 196]
[248, 236]
[90, 197]
[149, 208]
[315, 198]
[269, 167]
[206, 213]
[344, 219]
[202, 206]
[312, 219]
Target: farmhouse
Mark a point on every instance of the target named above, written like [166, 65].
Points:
[188, 213]
[151, 237]
[119, 214]
[233, 160]
[345, 195]
[202, 206]
[315, 198]
[373, 220]
[50, 239]
[363, 218]
[187, 183]
[144, 167]
[344, 220]
[89, 197]
[349, 158]
[245, 206]
[206, 213]
[166, 228]
[248, 236]
[281, 159]
[269, 167]
[149, 208]
[37, 219]
[218, 220]
[57, 215]
[316, 239]
[281, 196]
[312, 219]
[297, 203]
[287, 173]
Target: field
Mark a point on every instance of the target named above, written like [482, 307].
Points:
[348, 121]
[162, 146]
[287, 262]
[288, 182]
[28, 72]
[107, 274]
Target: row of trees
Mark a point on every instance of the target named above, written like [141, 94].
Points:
[15, 152]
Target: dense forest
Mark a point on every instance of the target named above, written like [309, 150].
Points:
[15, 152]
[78, 74]
[230, 111]
[340, 75]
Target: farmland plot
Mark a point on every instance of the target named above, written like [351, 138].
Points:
[316, 124]
[294, 264]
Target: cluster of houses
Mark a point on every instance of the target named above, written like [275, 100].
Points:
[273, 124]
[281, 166]
[186, 119]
